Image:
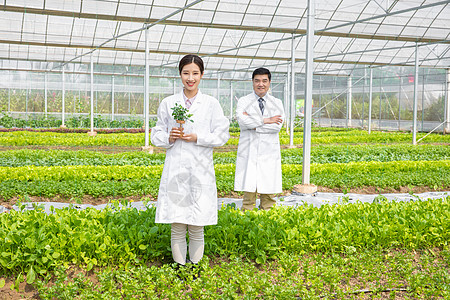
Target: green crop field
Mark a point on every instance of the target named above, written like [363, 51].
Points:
[380, 250]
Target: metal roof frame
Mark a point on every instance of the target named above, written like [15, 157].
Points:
[352, 46]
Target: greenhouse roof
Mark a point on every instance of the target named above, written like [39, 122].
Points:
[229, 34]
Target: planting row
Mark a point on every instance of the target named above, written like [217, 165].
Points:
[319, 154]
[397, 274]
[72, 122]
[144, 180]
[76, 130]
[34, 242]
[23, 138]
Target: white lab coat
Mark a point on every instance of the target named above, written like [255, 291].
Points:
[258, 162]
[187, 192]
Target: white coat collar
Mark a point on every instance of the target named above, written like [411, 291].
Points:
[266, 96]
[198, 97]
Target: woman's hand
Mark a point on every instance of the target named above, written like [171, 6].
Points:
[190, 137]
[175, 134]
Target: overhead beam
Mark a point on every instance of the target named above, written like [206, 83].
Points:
[271, 58]
[116, 74]
[62, 13]
[323, 32]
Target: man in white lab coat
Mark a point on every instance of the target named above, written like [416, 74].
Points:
[258, 163]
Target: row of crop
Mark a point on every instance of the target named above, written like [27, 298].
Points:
[319, 154]
[358, 137]
[144, 180]
[34, 242]
[76, 130]
[8, 121]
[23, 138]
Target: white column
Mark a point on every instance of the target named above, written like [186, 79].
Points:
[292, 104]
[416, 82]
[231, 100]
[112, 98]
[63, 106]
[146, 91]
[26, 101]
[129, 95]
[9, 91]
[287, 100]
[370, 100]
[447, 103]
[308, 93]
[349, 101]
[45, 96]
[92, 93]
[399, 103]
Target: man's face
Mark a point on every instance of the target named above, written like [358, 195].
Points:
[261, 84]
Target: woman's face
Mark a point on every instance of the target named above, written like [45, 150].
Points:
[191, 76]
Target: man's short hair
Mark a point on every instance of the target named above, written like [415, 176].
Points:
[261, 71]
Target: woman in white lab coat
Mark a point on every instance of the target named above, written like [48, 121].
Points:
[187, 196]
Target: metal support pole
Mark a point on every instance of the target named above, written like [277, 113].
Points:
[320, 101]
[380, 95]
[74, 98]
[287, 101]
[129, 96]
[423, 101]
[146, 90]
[363, 99]
[292, 94]
[9, 91]
[416, 81]
[370, 101]
[349, 101]
[231, 100]
[112, 98]
[399, 104]
[447, 102]
[174, 86]
[63, 100]
[92, 93]
[45, 96]
[26, 102]
[308, 93]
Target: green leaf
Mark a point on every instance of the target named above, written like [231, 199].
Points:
[2, 283]
[154, 230]
[89, 266]
[142, 247]
[31, 276]
[15, 286]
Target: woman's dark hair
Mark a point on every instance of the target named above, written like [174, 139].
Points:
[189, 59]
[261, 71]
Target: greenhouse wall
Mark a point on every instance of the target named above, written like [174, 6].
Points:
[22, 95]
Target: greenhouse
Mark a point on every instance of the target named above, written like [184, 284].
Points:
[365, 88]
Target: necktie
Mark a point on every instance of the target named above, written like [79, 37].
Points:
[261, 105]
[188, 103]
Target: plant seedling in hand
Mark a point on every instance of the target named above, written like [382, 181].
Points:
[180, 114]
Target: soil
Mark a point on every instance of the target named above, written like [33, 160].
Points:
[26, 291]
[86, 199]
